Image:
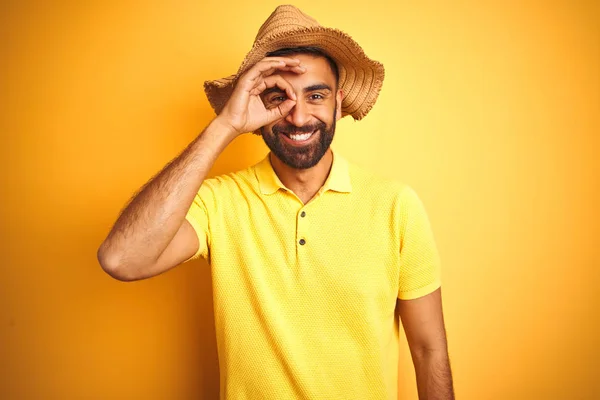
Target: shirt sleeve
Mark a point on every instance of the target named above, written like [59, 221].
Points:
[198, 217]
[420, 272]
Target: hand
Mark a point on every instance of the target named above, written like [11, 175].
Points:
[245, 111]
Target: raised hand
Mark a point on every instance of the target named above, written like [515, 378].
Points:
[245, 111]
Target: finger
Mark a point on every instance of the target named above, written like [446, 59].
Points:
[286, 60]
[271, 82]
[275, 81]
[269, 65]
[299, 69]
[280, 111]
[252, 76]
[278, 81]
[296, 69]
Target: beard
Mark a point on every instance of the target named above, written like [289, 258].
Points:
[300, 157]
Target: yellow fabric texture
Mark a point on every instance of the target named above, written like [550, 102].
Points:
[313, 320]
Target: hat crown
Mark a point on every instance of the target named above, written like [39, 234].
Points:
[287, 27]
[285, 18]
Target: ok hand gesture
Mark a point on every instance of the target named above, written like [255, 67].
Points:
[245, 111]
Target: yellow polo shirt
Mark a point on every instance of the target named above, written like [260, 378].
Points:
[304, 294]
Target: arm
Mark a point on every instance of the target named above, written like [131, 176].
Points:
[423, 323]
[151, 235]
[155, 217]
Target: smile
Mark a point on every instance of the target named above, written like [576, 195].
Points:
[302, 136]
[299, 138]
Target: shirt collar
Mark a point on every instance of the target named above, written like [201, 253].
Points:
[338, 179]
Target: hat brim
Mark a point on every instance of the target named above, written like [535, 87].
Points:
[361, 78]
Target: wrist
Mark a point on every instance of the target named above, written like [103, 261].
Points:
[223, 127]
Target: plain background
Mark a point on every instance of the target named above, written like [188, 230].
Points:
[490, 110]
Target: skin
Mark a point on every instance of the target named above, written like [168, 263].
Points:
[423, 322]
[317, 102]
[151, 234]
[277, 94]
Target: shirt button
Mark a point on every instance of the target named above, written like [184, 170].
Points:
[303, 214]
[302, 242]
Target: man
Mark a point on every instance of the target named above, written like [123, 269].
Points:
[310, 255]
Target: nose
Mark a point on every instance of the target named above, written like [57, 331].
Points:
[298, 115]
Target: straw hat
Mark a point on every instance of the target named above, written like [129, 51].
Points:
[360, 77]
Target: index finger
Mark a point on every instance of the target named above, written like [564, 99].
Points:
[274, 83]
[269, 65]
[286, 60]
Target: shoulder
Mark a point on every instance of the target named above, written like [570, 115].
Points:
[230, 180]
[367, 181]
[384, 192]
[225, 186]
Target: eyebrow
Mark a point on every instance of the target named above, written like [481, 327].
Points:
[320, 86]
[274, 89]
[312, 88]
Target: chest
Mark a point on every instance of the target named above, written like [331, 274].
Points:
[333, 248]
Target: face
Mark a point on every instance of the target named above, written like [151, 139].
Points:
[301, 138]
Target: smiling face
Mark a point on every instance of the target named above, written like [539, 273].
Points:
[301, 138]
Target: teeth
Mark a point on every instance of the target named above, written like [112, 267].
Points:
[301, 137]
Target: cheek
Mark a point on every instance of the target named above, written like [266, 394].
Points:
[324, 114]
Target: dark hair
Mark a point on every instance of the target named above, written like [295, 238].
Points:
[313, 50]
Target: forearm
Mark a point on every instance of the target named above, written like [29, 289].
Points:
[153, 216]
[434, 377]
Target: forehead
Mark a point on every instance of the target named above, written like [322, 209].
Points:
[318, 70]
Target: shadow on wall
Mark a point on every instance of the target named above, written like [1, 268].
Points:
[196, 339]
[243, 152]
[199, 334]
[195, 277]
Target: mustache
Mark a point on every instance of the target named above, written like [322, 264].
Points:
[291, 129]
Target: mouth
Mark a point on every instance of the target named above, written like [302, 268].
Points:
[299, 138]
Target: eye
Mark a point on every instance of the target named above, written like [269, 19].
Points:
[274, 101]
[277, 99]
[316, 96]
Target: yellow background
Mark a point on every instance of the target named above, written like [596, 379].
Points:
[490, 110]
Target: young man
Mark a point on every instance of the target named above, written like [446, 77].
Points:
[311, 256]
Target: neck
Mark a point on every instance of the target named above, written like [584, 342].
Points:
[305, 183]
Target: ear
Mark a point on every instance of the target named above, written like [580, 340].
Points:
[339, 97]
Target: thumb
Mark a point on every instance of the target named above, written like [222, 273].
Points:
[282, 110]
